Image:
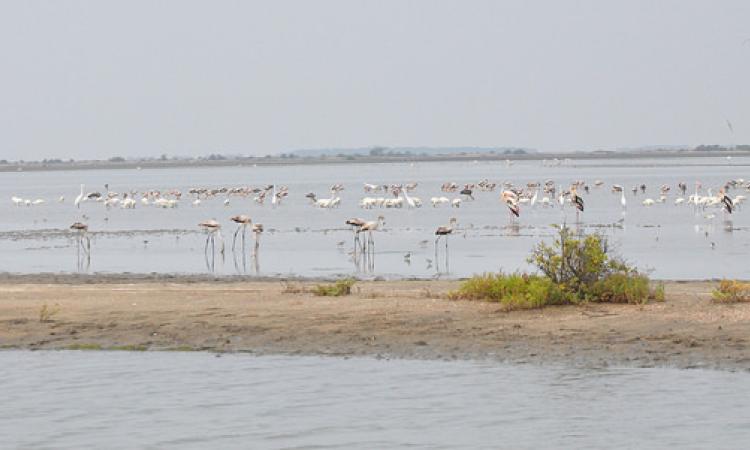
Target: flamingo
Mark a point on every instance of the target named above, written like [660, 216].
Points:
[443, 232]
[510, 198]
[257, 231]
[577, 200]
[83, 243]
[213, 229]
[356, 223]
[83, 240]
[369, 227]
[242, 222]
[726, 200]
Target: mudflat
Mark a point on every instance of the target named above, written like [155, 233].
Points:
[392, 319]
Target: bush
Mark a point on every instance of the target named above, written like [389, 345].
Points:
[573, 269]
[624, 287]
[732, 291]
[576, 261]
[337, 289]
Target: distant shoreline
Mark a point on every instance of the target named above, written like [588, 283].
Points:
[335, 160]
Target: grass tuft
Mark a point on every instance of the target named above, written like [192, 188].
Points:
[84, 347]
[129, 348]
[46, 313]
[339, 288]
[291, 288]
[732, 291]
[513, 291]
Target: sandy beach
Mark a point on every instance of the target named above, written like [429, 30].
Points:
[390, 319]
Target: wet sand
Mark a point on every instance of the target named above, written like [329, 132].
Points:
[392, 319]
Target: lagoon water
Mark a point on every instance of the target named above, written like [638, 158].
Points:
[128, 400]
[673, 241]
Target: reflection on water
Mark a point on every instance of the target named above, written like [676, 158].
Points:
[72, 400]
[301, 239]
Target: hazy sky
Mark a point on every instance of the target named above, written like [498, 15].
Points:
[93, 79]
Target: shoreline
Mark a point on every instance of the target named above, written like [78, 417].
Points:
[192, 278]
[388, 319]
[335, 160]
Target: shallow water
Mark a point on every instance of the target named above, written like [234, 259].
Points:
[674, 241]
[72, 400]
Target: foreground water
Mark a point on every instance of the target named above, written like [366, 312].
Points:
[72, 400]
[675, 241]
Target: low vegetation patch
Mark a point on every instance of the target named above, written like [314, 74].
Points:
[47, 312]
[732, 291]
[130, 348]
[514, 291]
[84, 347]
[573, 269]
[291, 288]
[336, 289]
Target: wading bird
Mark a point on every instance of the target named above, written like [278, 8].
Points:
[511, 201]
[356, 223]
[577, 200]
[242, 222]
[79, 199]
[213, 230]
[83, 239]
[443, 232]
[369, 227]
[257, 231]
[83, 247]
[726, 201]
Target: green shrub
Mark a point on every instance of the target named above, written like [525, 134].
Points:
[657, 293]
[622, 287]
[514, 291]
[84, 346]
[732, 291]
[574, 269]
[576, 261]
[337, 289]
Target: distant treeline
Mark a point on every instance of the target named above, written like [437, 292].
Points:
[371, 153]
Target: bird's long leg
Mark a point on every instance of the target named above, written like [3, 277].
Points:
[257, 245]
[88, 253]
[208, 238]
[256, 262]
[372, 251]
[78, 253]
[236, 264]
[437, 259]
[221, 241]
[244, 232]
[234, 237]
[446, 255]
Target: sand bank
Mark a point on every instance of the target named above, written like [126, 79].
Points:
[399, 319]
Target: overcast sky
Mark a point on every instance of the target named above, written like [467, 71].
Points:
[93, 79]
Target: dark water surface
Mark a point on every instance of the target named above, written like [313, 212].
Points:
[131, 400]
